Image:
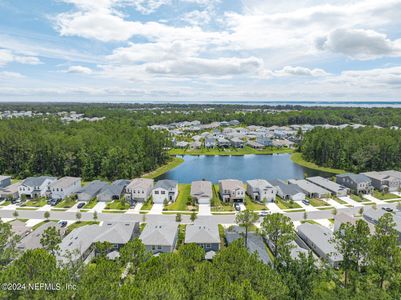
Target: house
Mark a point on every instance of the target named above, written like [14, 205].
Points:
[181, 144]
[255, 145]
[373, 215]
[202, 191]
[160, 237]
[80, 243]
[90, 191]
[334, 188]
[112, 191]
[210, 142]
[318, 238]
[261, 190]
[223, 143]
[20, 228]
[310, 189]
[237, 142]
[205, 236]
[234, 123]
[232, 190]
[139, 189]
[195, 145]
[10, 192]
[264, 140]
[396, 174]
[32, 240]
[342, 218]
[288, 191]
[165, 190]
[5, 181]
[34, 187]
[64, 187]
[384, 182]
[357, 183]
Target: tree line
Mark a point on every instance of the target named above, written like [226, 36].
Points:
[371, 268]
[356, 150]
[110, 149]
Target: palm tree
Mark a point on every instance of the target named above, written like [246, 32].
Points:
[246, 219]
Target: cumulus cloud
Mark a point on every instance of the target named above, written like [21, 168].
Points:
[359, 44]
[10, 75]
[148, 6]
[79, 70]
[300, 71]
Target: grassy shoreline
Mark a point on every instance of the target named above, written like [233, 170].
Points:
[230, 151]
[174, 162]
[296, 157]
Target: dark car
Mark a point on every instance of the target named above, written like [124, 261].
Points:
[237, 207]
[54, 202]
[63, 224]
[80, 204]
[388, 209]
[306, 202]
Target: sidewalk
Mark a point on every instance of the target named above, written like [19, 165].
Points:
[350, 201]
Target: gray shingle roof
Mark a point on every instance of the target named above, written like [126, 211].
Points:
[358, 178]
[202, 233]
[64, 182]
[162, 234]
[92, 188]
[36, 181]
[166, 184]
[201, 188]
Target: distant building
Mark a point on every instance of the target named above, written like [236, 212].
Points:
[165, 190]
[4, 181]
[334, 188]
[64, 187]
[383, 181]
[205, 236]
[10, 192]
[34, 187]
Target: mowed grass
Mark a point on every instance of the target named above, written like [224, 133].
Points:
[252, 205]
[79, 224]
[286, 204]
[384, 196]
[66, 203]
[118, 205]
[216, 204]
[36, 202]
[357, 198]
[90, 204]
[317, 202]
[298, 159]
[174, 162]
[148, 204]
[184, 192]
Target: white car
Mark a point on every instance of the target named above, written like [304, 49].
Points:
[264, 213]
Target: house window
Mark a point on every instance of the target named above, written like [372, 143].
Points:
[153, 247]
[159, 247]
[163, 192]
[157, 192]
[208, 246]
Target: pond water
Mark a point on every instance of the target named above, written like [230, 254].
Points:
[246, 167]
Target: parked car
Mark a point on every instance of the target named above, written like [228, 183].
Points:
[63, 224]
[80, 204]
[237, 207]
[264, 213]
[306, 202]
[388, 209]
[54, 202]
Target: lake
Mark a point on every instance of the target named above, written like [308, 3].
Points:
[246, 167]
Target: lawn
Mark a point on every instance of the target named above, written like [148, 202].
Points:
[252, 205]
[66, 203]
[36, 202]
[317, 202]
[384, 196]
[147, 205]
[339, 200]
[297, 158]
[181, 235]
[309, 221]
[216, 204]
[184, 192]
[90, 204]
[229, 151]
[357, 198]
[286, 204]
[118, 205]
[5, 203]
[38, 225]
[79, 224]
[174, 162]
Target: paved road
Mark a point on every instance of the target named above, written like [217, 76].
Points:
[213, 219]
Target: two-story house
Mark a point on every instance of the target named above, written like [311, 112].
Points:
[33, 187]
[357, 183]
[231, 190]
[261, 190]
[64, 187]
[165, 190]
[139, 190]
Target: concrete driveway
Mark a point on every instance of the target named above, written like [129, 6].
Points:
[99, 207]
[334, 203]
[307, 207]
[46, 207]
[157, 209]
[350, 201]
[204, 210]
[273, 207]
[373, 199]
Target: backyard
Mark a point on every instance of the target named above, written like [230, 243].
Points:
[184, 193]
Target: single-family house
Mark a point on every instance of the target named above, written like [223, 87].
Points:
[20, 228]
[210, 142]
[384, 182]
[396, 174]
[112, 191]
[80, 243]
[237, 142]
[334, 188]
[261, 190]
[181, 144]
[34, 187]
[5, 181]
[205, 236]
[264, 140]
[90, 191]
[165, 190]
[343, 218]
[373, 215]
[160, 237]
[232, 190]
[195, 145]
[288, 191]
[10, 192]
[139, 189]
[64, 187]
[318, 238]
[32, 240]
[357, 183]
[255, 145]
[310, 189]
[202, 191]
[223, 143]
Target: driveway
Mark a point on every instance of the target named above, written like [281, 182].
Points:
[46, 207]
[350, 201]
[99, 207]
[74, 208]
[274, 208]
[326, 223]
[33, 222]
[136, 209]
[204, 210]
[242, 206]
[373, 199]
[334, 203]
[307, 207]
[156, 209]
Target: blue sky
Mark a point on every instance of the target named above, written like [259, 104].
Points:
[189, 50]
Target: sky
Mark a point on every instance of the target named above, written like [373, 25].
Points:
[200, 50]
